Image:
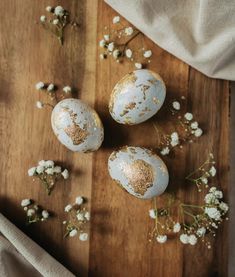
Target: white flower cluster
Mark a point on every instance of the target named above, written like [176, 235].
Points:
[82, 217]
[58, 12]
[188, 239]
[47, 167]
[33, 212]
[163, 238]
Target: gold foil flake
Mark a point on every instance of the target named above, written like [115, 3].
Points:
[127, 108]
[113, 156]
[144, 88]
[140, 176]
[77, 134]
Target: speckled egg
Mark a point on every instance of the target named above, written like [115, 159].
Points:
[139, 171]
[77, 126]
[137, 97]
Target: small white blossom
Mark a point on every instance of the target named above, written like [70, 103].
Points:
[174, 139]
[116, 53]
[106, 37]
[194, 125]
[30, 212]
[67, 89]
[165, 151]
[161, 238]
[102, 43]
[25, 202]
[48, 8]
[111, 46]
[102, 56]
[129, 31]
[31, 171]
[73, 233]
[68, 208]
[65, 174]
[50, 171]
[212, 189]
[153, 213]
[184, 238]
[57, 169]
[51, 87]
[83, 236]
[128, 53]
[59, 11]
[188, 116]
[223, 206]
[42, 163]
[218, 194]
[43, 18]
[201, 231]
[192, 239]
[212, 171]
[116, 19]
[138, 65]
[176, 105]
[198, 132]
[204, 180]
[148, 54]
[55, 21]
[39, 85]
[80, 217]
[176, 227]
[211, 199]
[40, 169]
[39, 104]
[79, 200]
[45, 214]
[213, 213]
[87, 216]
[49, 163]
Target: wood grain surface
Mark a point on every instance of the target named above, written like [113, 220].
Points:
[118, 244]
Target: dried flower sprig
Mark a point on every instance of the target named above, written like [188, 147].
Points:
[48, 173]
[194, 222]
[186, 130]
[34, 212]
[117, 43]
[58, 19]
[54, 94]
[79, 218]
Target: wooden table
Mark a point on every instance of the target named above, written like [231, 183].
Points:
[118, 244]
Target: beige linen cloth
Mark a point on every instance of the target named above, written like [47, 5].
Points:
[199, 32]
[21, 257]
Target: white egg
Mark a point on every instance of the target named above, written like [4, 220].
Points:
[137, 97]
[77, 126]
[139, 171]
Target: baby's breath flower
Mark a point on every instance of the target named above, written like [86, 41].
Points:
[129, 31]
[45, 214]
[111, 46]
[211, 199]
[87, 216]
[25, 202]
[165, 151]
[223, 206]
[192, 239]
[147, 53]
[55, 21]
[39, 104]
[42, 163]
[201, 231]
[65, 174]
[176, 227]
[51, 87]
[59, 11]
[176, 105]
[49, 171]
[32, 171]
[212, 189]
[102, 43]
[49, 163]
[116, 19]
[128, 53]
[102, 56]
[153, 213]
[79, 200]
[68, 208]
[83, 236]
[161, 238]
[40, 169]
[188, 116]
[30, 212]
[204, 180]
[213, 213]
[49, 9]
[67, 89]
[194, 125]
[218, 194]
[138, 65]
[198, 132]
[39, 85]
[106, 37]
[184, 238]
[174, 139]
[116, 53]
[212, 171]
[73, 233]
[57, 169]
[43, 18]
[80, 217]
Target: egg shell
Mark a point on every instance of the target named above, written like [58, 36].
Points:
[139, 171]
[137, 96]
[77, 125]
